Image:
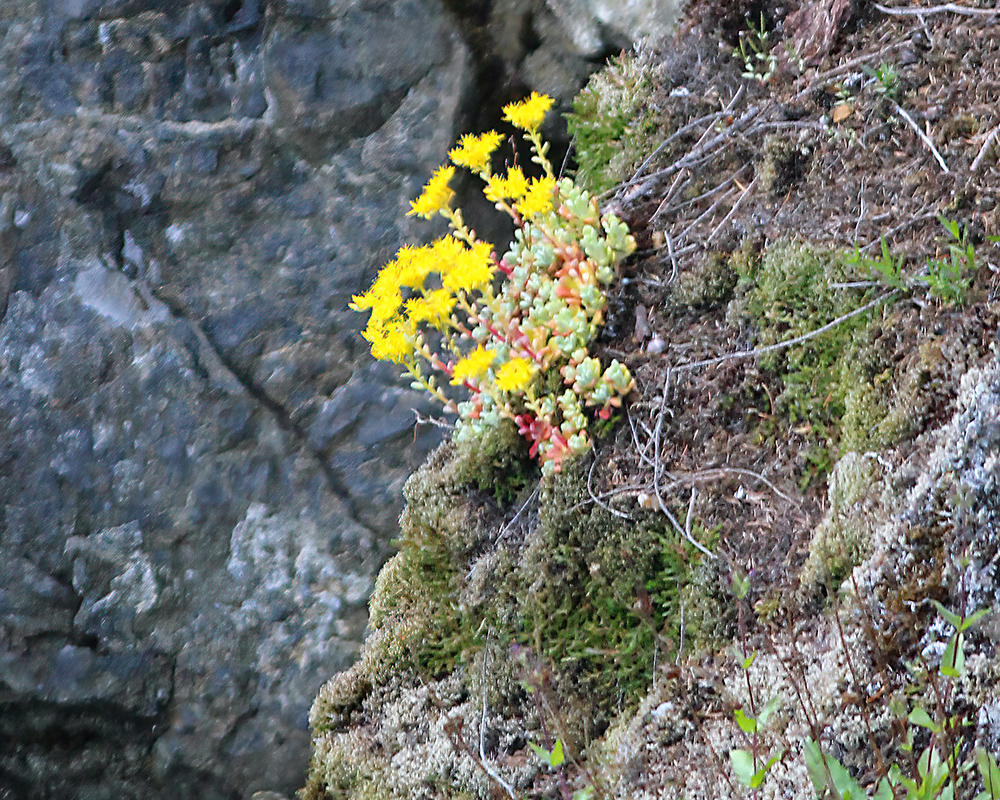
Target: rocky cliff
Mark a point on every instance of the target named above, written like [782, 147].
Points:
[200, 475]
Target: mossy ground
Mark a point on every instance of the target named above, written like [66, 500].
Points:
[576, 608]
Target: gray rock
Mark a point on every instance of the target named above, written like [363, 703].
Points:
[185, 560]
[201, 467]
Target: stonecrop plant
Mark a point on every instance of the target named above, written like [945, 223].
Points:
[513, 330]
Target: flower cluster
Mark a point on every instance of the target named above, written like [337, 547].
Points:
[514, 331]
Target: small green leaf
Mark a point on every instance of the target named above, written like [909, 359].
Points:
[747, 723]
[741, 584]
[991, 775]
[742, 766]
[557, 754]
[553, 758]
[972, 619]
[953, 660]
[951, 617]
[814, 763]
[919, 716]
[769, 708]
[758, 778]
[883, 791]
[951, 226]
[843, 783]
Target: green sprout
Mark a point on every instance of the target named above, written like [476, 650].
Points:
[759, 63]
[948, 278]
[886, 79]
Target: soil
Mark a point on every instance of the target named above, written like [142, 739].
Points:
[874, 124]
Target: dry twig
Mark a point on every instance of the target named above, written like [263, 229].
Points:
[482, 742]
[923, 136]
[658, 471]
[990, 140]
[733, 210]
[947, 8]
[708, 362]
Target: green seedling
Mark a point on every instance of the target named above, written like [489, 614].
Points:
[553, 758]
[948, 278]
[759, 63]
[953, 660]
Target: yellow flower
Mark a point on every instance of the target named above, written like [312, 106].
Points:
[474, 151]
[473, 366]
[436, 196]
[514, 185]
[517, 184]
[390, 339]
[412, 265]
[496, 189]
[444, 252]
[472, 269]
[384, 296]
[434, 307]
[528, 114]
[538, 198]
[516, 374]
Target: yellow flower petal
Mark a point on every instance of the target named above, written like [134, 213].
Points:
[390, 341]
[436, 196]
[434, 307]
[517, 184]
[474, 151]
[538, 198]
[528, 114]
[413, 265]
[515, 375]
[473, 366]
[496, 189]
[471, 270]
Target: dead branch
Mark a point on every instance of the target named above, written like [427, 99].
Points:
[947, 8]
[598, 501]
[733, 210]
[658, 471]
[482, 742]
[987, 145]
[923, 136]
[709, 362]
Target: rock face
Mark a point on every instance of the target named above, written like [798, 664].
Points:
[200, 475]
[198, 482]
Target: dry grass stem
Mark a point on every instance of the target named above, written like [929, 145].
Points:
[922, 136]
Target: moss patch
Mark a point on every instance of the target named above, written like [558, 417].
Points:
[607, 123]
[570, 598]
[793, 290]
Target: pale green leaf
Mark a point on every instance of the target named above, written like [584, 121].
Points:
[991, 774]
[953, 660]
[558, 757]
[747, 723]
[743, 766]
[951, 617]
[919, 716]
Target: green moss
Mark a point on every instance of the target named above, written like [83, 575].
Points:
[827, 380]
[709, 282]
[596, 591]
[587, 597]
[610, 136]
[498, 462]
[782, 161]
